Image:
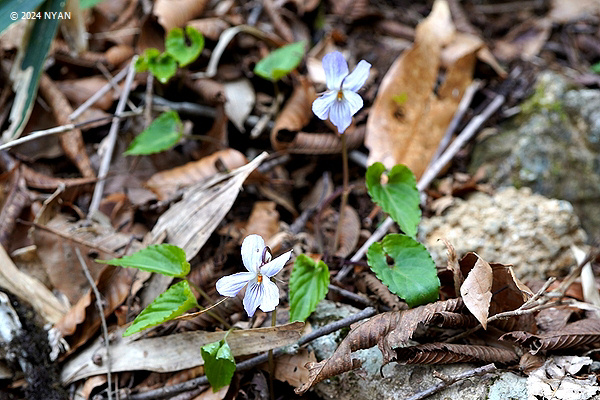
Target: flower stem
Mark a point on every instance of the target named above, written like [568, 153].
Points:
[271, 360]
[338, 230]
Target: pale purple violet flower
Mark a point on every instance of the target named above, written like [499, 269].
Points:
[341, 101]
[261, 291]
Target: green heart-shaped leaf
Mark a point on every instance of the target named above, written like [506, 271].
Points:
[280, 62]
[176, 46]
[162, 134]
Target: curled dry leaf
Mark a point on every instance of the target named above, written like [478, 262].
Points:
[211, 28]
[290, 367]
[166, 183]
[408, 119]
[175, 13]
[351, 10]
[264, 220]
[295, 115]
[350, 232]
[322, 143]
[387, 330]
[71, 142]
[476, 290]
[209, 90]
[445, 319]
[80, 90]
[118, 54]
[446, 353]
[575, 334]
[382, 291]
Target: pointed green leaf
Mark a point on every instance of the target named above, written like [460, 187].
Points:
[280, 62]
[399, 197]
[219, 364]
[164, 259]
[308, 286]
[163, 67]
[162, 134]
[172, 303]
[176, 46]
[413, 276]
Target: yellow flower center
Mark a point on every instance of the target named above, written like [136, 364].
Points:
[259, 278]
[340, 95]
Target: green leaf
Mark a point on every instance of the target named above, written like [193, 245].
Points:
[176, 46]
[164, 259]
[143, 62]
[596, 68]
[219, 364]
[15, 6]
[281, 61]
[413, 275]
[162, 134]
[163, 66]
[30, 59]
[399, 197]
[308, 286]
[171, 304]
[84, 4]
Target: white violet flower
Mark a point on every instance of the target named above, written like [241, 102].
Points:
[261, 291]
[341, 101]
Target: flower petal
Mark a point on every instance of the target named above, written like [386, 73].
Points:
[336, 69]
[230, 285]
[254, 296]
[270, 298]
[322, 105]
[252, 252]
[340, 115]
[358, 77]
[274, 266]
[355, 102]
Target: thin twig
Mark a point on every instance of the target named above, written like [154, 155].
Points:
[429, 175]
[86, 271]
[111, 139]
[480, 371]
[350, 295]
[253, 362]
[61, 129]
[98, 95]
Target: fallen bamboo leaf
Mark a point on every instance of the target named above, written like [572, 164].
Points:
[408, 119]
[446, 353]
[174, 352]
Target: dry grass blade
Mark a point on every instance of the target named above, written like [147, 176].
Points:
[387, 330]
[444, 353]
[575, 334]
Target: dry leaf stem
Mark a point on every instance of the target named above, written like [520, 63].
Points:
[170, 391]
[98, 95]
[111, 139]
[338, 230]
[447, 381]
[97, 294]
[430, 174]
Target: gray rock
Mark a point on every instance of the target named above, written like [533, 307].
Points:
[552, 146]
[516, 227]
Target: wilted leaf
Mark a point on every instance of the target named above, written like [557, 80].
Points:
[162, 134]
[166, 183]
[164, 259]
[176, 45]
[219, 364]
[280, 62]
[263, 220]
[409, 133]
[476, 291]
[240, 101]
[290, 367]
[446, 353]
[308, 286]
[413, 276]
[172, 303]
[388, 330]
[350, 233]
[398, 197]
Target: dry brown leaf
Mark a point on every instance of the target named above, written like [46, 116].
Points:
[524, 41]
[388, 330]
[166, 183]
[71, 142]
[408, 119]
[29, 290]
[290, 367]
[567, 11]
[476, 291]
[576, 334]
[281, 27]
[209, 90]
[296, 114]
[350, 232]
[509, 294]
[351, 10]
[80, 90]
[16, 201]
[117, 55]
[175, 13]
[174, 352]
[211, 28]
[190, 222]
[263, 220]
[382, 291]
[445, 319]
[324, 143]
[446, 353]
